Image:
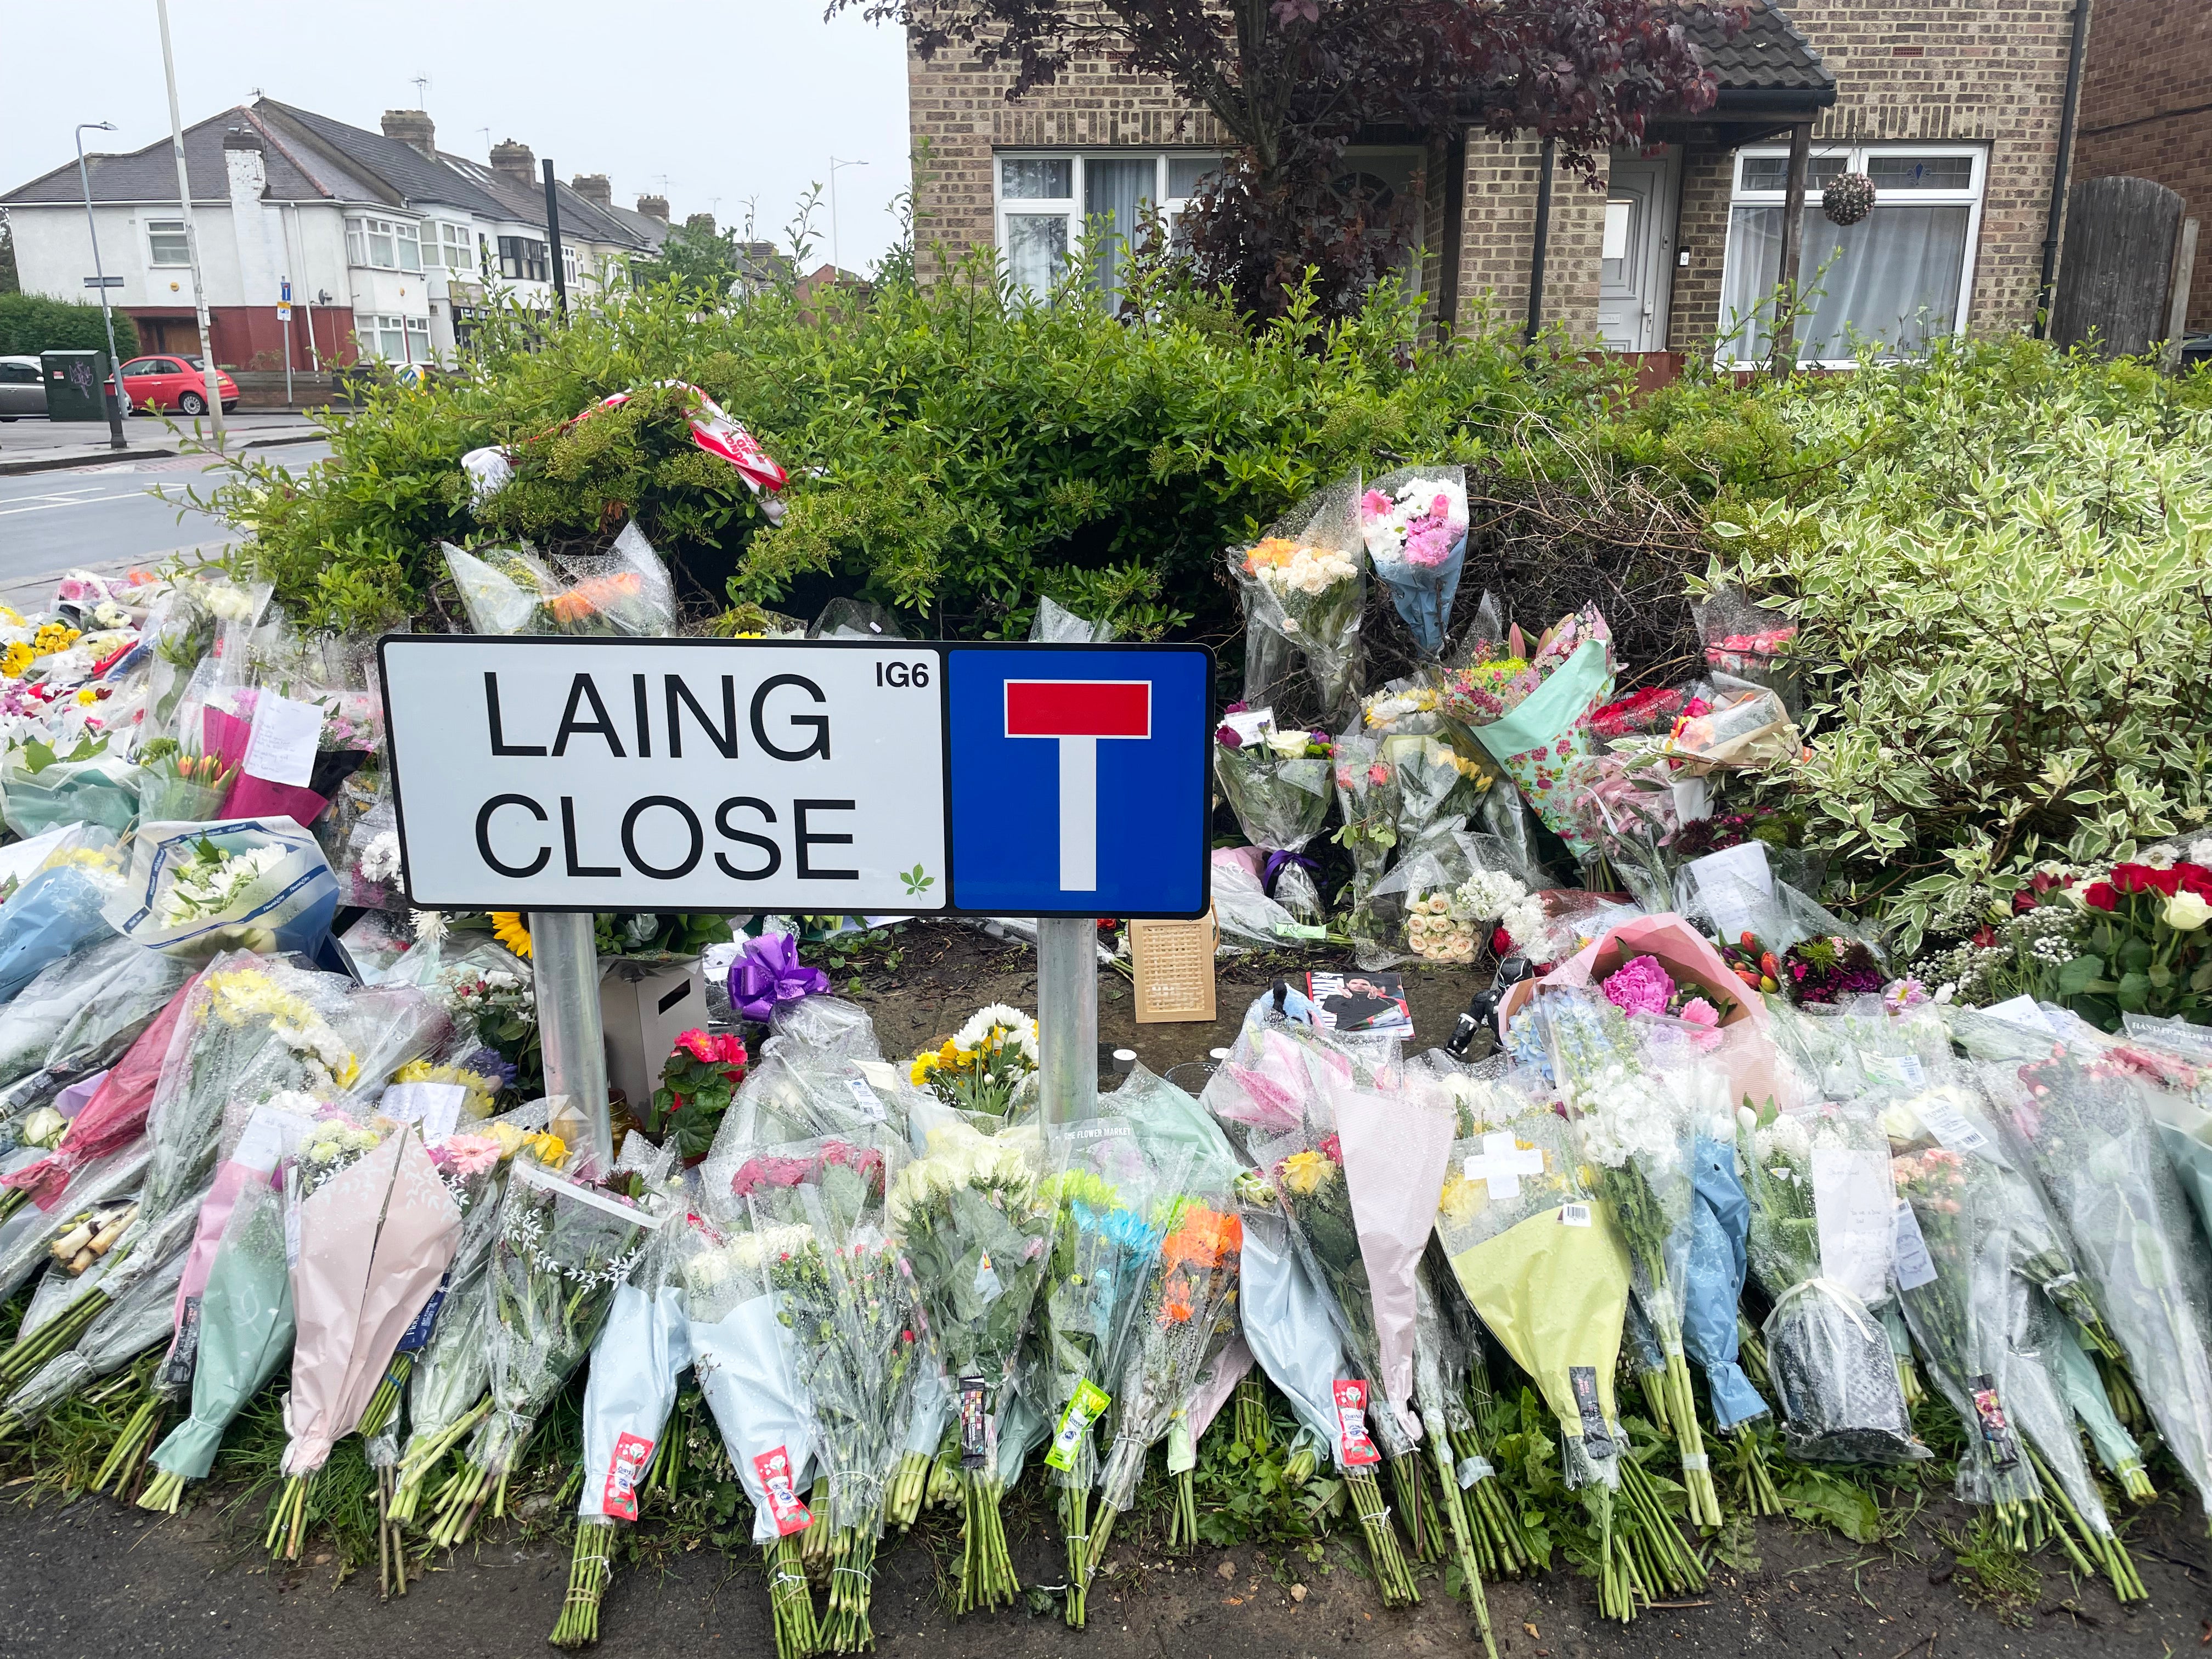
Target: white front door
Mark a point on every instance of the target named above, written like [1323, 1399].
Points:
[1638, 256]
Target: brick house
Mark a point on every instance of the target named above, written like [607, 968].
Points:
[2147, 113]
[1953, 108]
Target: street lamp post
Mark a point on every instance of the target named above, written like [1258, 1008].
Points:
[191, 229]
[837, 259]
[115, 394]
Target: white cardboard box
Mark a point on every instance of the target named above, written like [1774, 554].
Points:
[645, 1011]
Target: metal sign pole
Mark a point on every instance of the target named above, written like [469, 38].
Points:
[565, 962]
[1067, 1018]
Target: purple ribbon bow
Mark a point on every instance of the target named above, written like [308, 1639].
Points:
[1279, 862]
[768, 972]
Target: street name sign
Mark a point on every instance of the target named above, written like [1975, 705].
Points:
[817, 776]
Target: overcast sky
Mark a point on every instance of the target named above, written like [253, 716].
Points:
[728, 102]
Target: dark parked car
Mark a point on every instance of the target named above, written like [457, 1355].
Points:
[21, 391]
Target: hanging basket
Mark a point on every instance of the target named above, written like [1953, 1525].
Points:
[1847, 199]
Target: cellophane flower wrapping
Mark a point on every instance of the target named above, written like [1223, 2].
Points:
[1749, 641]
[374, 1241]
[1720, 1230]
[2083, 1124]
[1821, 1247]
[625, 591]
[1982, 1223]
[1413, 522]
[560, 1251]
[847, 1295]
[1110, 1214]
[1277, 782]
[77, 1016]
[59, 910]
[1367, 797]
[1537, 1256]
[2178, 1058]
[1304, 585]
[245, 1331]
[25, 1235]
[504, 589]
[101, 788]
[1289, 1326]
[746, 1361]
[629, 1386]
[1193, 1275]
[973, 1213]
[257, 884]
[1532, 716]
[138, 1319]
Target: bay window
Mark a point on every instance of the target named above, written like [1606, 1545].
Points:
[383, 244]
[1897, 280]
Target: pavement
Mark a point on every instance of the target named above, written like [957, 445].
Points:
[37, 446]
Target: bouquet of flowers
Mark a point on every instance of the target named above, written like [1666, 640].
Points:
[247, 884]
[629, 1391]
[747, 1363]
[374, 1240]
[136, 1319]
[175, 787]
[625, 592]
[697, 1082]
[41, 789]
[1820, 1247]
[977, 1228]
[1439, 787]
[562, 1248]
[1304, 589]
[986, 1067]
[451, 1365]
[2081, 1119]
[1532, 713]
[850, 1301]
[1548, 1274]
[68, 1026]
[1966, 1299]
[1191, 1280]
[1749, 641]
[59, 909]
[1414, 524]
[1278, 784]
[1105, 1244]
[1636, 1134]
[1367, 793]
[2145, 951]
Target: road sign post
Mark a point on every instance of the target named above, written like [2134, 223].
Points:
[564, 776]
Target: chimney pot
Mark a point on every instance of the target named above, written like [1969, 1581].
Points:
[700, 222]
[413, 127]
[593, 187]
[516, 162]
[653, 207]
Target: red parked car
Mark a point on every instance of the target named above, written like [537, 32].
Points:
[178, 383]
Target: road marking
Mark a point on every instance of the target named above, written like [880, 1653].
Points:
[84, 500]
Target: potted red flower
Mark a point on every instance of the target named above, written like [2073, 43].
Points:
[696, 1083]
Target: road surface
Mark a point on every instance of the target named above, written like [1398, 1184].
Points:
[116, 513]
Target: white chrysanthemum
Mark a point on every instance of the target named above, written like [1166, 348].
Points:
[380, 860]
[1021, 1028]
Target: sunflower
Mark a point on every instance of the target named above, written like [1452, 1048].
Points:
[508, 928]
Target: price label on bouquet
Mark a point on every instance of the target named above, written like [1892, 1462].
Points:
[849, 776]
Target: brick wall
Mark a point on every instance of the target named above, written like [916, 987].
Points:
[1990, 71]
[958, 113]
[2146, 112]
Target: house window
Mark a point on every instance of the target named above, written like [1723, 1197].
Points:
[381, 336]
[166, 242]
[383, 244]
[449, 246]
[568, 265]
[1050, 207]
[523, 259]
[1897, 280]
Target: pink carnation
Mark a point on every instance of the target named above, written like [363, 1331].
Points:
[1641, 986]
[1699, 1011]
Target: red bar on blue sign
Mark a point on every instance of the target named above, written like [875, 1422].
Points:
[1079, 708]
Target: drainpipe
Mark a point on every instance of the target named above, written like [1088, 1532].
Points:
[1543, 234]
[2067, 111]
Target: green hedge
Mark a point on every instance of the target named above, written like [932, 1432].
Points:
[32, 323]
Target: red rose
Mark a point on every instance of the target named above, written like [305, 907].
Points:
[1501, 943]
[2169, 882]
[2194, 879]
[2142, 878]
[2101, 896]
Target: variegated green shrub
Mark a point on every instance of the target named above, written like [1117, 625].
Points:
[2004, 600]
